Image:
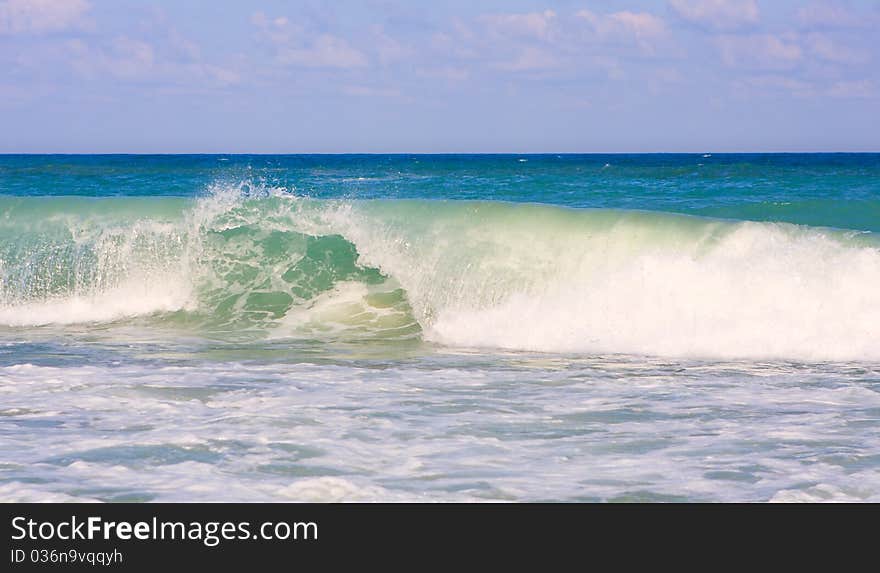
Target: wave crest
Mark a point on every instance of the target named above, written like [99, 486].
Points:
[476, 274]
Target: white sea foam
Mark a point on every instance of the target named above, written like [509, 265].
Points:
[597, 282]
[759, 292]
[446, 428]
[486, 275]
[130, 299]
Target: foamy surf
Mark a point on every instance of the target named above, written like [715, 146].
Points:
[174, 337]
[466, 274]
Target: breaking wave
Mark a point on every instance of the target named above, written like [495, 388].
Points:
[468, 274]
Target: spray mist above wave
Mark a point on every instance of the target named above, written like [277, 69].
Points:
[550, 279]
[239, 259]
[476, 274]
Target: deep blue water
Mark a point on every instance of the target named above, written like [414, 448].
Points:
[839, 190]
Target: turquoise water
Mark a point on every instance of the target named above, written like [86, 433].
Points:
[407, 327]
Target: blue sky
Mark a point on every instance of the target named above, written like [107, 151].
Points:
[456, 76]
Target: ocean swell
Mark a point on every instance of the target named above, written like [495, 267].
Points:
[459, 273]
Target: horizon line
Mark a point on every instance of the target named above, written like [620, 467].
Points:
[332, 153]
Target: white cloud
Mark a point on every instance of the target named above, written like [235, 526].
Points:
[773, 84]
[325, 51]
[530, 58]
[511, 42]
[784, 51]
[829, 50]
[759, 51]
[641, 28]
[366, 91]
[448, 73]
[667, 75]
[538, 25]
[640, 24]
[223, 76]
[779, 83]
[135, 60]
[718, 14]
[827, 15]
[277, 30]
[159, 57]
[853, 89]
[296, 46]
[132, 58]
[535, 41]
[123, 58]
[388, 49]
[458, 43]
[36, 16]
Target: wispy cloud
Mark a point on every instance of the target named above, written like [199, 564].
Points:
[296, 46]
[831, 50]
[861, 89]
[539, 25]
[829, 15]
[530, 58]
[759, 51]
[447, 73]
[639, 28]
[717, 14]
[40, 16]
[388, 50]
[368, 91]
[132, 59]
[659, 55]
[775, 85]
[325, 51]
[548, 41]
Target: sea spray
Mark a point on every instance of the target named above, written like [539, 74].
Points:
[461, 273]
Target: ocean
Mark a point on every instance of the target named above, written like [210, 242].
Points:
[685, 327]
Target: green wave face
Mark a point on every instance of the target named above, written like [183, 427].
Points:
[219, 264]
[459, 273]
[254, 276]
